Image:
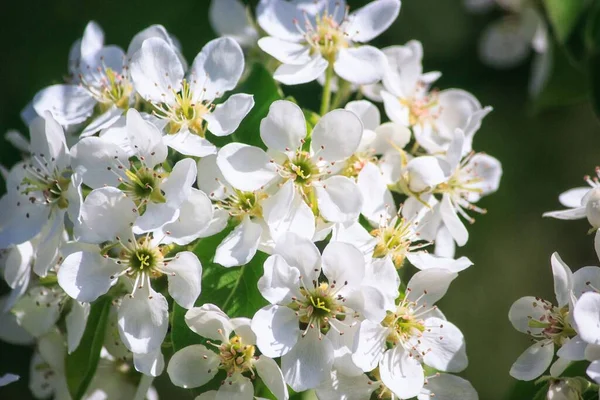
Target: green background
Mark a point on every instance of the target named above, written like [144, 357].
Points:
[542, 154]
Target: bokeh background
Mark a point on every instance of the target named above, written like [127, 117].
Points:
[542, 153]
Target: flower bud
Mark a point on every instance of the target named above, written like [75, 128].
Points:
[564, 390]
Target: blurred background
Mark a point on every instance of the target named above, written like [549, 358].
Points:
[542, 152]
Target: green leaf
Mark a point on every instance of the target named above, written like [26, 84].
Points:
[563, 15]
[81, 365]
[592, 28]
[234, 289]
[261, 84]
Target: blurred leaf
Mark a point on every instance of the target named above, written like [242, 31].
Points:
[592, 28]
[80, 366]
[261, 84]
[563, 15]
[234, 289]
[542, 393]
[567, 84]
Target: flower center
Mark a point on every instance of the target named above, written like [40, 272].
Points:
[144, 185]
[326, 36]
[396, 238]
[404, 323]
[44, 186]
[235, 356]
[186, 111]
[302, 169]
[143, 258]
[112, 88]
[554, 323]
[240, 204]
[318, 305]
[422, 108]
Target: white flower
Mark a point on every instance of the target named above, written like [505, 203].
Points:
[186, 102]
[235, 354]
[413, 334]
[47, 369]
[555, 326]
[231, 18]
[157, 194]
[307, 315]
[262, 219]
[89, 273]
[334, 139]
[433, 115]
[310, 37]
[40, 191]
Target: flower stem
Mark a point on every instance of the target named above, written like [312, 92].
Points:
[326, 99]
[143, 387]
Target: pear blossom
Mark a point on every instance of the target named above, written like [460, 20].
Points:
[334, 139]
[582, 202]
[413, 334]
[90, 272]
[158, 194]
[433, 115]
[309, 38]
[307, 314]
[40, 193]
[231, 348]
[554, 326]
[187, 102]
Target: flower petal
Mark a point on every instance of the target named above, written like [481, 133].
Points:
[269, 372]
[369, 345]
[69, 104]
[85, 276]
[447, 344]
[151, 364]
[562, 280]
[209, 321]
[360, 65]
[239, 247]
[280, 281]
[76, 321]
[429, 285]
[284, 127]
[286, 211]
[276, 330]
[185, 275]
[193, 366]
[401, 373]
[246, 167]
[378, 203]
[448, 387]
[145, 138]
[337, 135]
[339, 199]
[284, 51]
[533, 362]
[230, 18]
[190, 144]
[226, 117]
[300, 253]
[370, 21]
[452, 221]
[587, 317]
[290, 74]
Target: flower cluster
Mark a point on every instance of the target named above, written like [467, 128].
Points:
[569, 327]
[139, 157]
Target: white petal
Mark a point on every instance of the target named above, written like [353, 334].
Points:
[103, 121]
[562, 280]
[101, 205]
[289, 74]
[424, 173]
[573, 198]
[503, 45]
[370, 21]
[339, 199]
[18, 263]
[193, 366]
[337, 135]
[239, 247]
[448, 387]
[209, 321]
[237, 387]
[361, 65]
[97, 159]
[447, 344]
[395, 110]
[284, 126]
[423, 260]
[533, 362]
[246, 167]
[226, 117]
[196, 214]
[48, 139]
[575, 213]
[309, 363]
[145, 138]
[76, 321]
[269, 372]
[284, 51]
[286, 211]
[280, 282]
[276, 330]
[151, 364]
[92, 39]
[367, 112]
[390, 136]
[185, 275]
[593, 371]
[342, 340]
[190, 144]
[369, 345]
[573, 349]
[343, 263]
[69, 104]
[300, 253]
[383, 276]
[452, 221]
[210, 179]
[401, 373]
[37, 312]
[430, 285]
[587, 317]
[277, 18]
[85, 276]
[7, 379]
[342, 387]
[143, 320]
[216, 69]
[156, 71]
[584, 279]
[378, 203]
[230, 18]
[523, 310]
